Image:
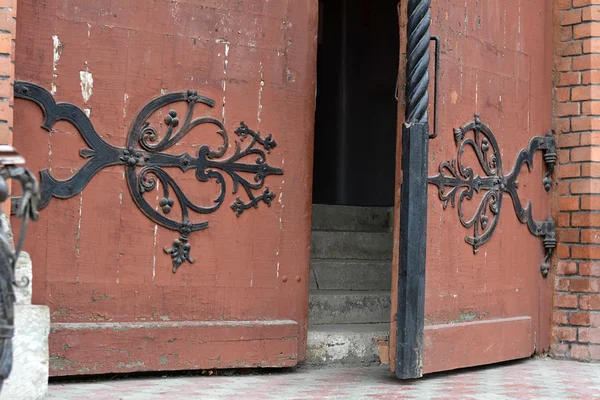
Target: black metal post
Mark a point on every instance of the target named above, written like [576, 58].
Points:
[410, 318]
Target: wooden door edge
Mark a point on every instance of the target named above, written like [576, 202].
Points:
[124, 347]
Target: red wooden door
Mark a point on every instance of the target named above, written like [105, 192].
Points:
[240, 206]
[485, 297]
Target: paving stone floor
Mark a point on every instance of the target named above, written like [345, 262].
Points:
[540, 378]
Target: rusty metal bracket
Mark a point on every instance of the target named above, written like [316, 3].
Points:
[459, 178]
[146, 162]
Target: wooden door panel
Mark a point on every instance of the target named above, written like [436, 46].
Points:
[99, 262]
[457, 345]
[491, 298]
[490, 305]
[90, 348]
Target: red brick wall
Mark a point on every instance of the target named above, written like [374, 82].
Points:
[576, 316]
[8, 14]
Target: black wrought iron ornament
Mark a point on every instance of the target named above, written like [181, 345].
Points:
[145, 161]
[10, 168]
[463, 182]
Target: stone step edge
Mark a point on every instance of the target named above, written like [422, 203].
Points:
[348, 344]
[350, 292]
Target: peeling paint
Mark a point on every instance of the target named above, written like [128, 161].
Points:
[58, 48]
[87, 84]
[290, 76]
[131, 364]
[260, 93]
[154, 257]
[226, 61]
[60, 363]
[453, 97]
[125, 99]
[87, 111]
[60, 312]
[99, 298]
[519, 19]
[223, 110]
[163, 359]
[78, 236]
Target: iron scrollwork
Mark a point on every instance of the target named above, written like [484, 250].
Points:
[463, 182]
[145, 162]
[10, 168]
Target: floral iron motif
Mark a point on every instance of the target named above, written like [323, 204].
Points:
[145, 161]
[462, 179]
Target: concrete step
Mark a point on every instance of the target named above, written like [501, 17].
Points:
[348, 307]
[349, 344]
[351, 245]
[350, 218]
[350, 274]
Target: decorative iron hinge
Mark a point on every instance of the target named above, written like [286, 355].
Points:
[453, 174]
[145, 161]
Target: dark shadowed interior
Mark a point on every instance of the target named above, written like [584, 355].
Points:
[355, 125]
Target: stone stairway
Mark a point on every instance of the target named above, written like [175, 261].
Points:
[349, 301]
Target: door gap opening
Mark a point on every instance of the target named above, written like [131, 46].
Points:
[354, 180]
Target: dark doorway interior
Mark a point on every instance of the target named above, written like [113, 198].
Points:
[355, 126]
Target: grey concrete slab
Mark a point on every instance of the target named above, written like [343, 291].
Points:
[348, 307]
[351, 245]
[350, 274]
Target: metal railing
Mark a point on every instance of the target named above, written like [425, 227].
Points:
[11, 167]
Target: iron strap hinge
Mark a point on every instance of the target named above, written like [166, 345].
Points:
[494, 182]
[146, 162]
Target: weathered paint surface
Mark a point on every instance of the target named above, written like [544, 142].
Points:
[97, 260]
[166, 345]
[497, 62]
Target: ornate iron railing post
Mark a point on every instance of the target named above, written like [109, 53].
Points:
[413, 209]
[10, 168]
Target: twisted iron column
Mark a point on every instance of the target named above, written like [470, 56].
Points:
[410, 317]
[417, 60]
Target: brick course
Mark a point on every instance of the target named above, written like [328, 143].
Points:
[576, 302]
